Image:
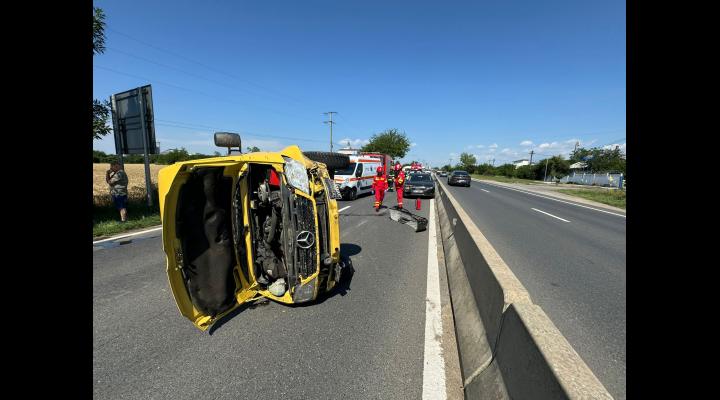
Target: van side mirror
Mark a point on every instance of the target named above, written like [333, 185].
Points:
[228, 139]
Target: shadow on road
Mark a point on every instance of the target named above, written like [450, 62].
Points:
[342, 287]
[346, 251]
[369, 213]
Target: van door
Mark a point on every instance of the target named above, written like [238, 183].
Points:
[203, 216]
[366, 178]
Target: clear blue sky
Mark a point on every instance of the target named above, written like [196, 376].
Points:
[484, 77]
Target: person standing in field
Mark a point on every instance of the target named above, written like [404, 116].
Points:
[118, 181]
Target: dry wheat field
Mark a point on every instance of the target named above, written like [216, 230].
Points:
[136, 177]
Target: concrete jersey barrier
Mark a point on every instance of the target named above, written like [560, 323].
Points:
[508, 346]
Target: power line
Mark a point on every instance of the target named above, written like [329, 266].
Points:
[191, 126]
[154, 81]
[200, 64]
[188, 73]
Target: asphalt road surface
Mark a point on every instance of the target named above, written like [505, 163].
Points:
[364, 341]
[572, 261]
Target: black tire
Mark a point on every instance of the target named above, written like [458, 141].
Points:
[333, 161]
[353, 194]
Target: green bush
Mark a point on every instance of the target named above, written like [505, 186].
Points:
[169, 157]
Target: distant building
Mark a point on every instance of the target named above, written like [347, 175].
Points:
[349, 151]
[578, 165]
[520, 163]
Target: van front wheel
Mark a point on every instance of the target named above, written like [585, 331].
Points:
[353, 194]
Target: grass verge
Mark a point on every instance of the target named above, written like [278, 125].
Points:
[106, 218]
[108, 228]
[615, 198]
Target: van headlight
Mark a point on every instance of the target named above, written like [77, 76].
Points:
[297, 175]
[304, 292]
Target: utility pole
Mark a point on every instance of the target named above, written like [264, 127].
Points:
[331, 124]
[531, 154]
[546, 164]
[493, 162]
[576, 145]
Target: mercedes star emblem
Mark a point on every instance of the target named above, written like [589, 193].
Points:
[305, 239]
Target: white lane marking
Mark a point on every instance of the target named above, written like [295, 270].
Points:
[344, 208]
[550, 214]
[434, 365]
[551, 198]
[487, 191]
[128, 235]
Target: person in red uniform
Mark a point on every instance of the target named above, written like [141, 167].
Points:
[399, 184]
[379, 185]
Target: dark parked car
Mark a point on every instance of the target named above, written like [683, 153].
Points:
[419, 184]
[459, 178]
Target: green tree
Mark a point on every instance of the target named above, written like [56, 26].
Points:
[101, 109]
[525, 172]
[390, 142]
[98, 31]
[172, 156]
[600, 160]
[101, 114]
[506, 170]
[253, 149]
[468, 161]
[556, 166]
[485, 169]
[98, 156]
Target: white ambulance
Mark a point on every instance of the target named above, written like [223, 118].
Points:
[357, 178]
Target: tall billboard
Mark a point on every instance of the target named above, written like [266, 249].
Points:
[133, 121]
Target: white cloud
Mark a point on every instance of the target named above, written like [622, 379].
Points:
[505, 150]
[526, 143]
[612, 146]
[413, 144]
[494, 146]
[480, 146]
